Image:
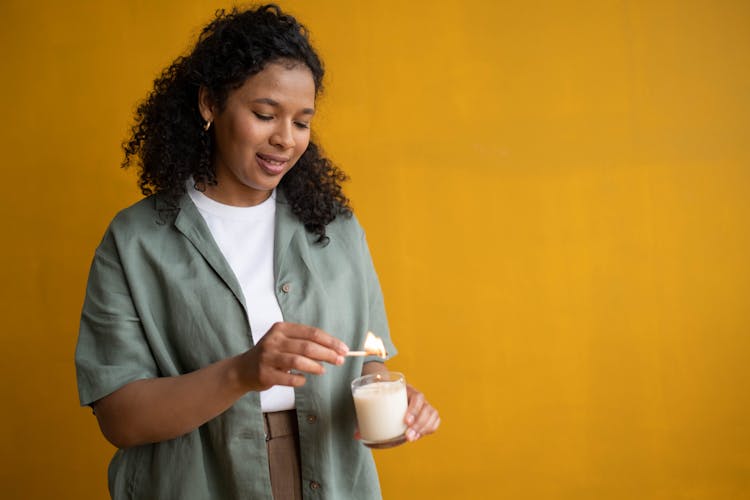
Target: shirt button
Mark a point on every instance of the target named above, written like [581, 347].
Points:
[286, 287]
[315, 485]
[311, 419]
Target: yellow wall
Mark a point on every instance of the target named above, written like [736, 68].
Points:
[557, 195]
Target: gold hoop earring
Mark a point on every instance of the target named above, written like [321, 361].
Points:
[207, 125]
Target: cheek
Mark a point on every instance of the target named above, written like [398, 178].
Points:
[302, 143]
[231, 135]
[247, 133]
[240, 130]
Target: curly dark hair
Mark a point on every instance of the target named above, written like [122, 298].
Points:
[168, 142]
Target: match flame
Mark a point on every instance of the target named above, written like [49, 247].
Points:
[374, 346]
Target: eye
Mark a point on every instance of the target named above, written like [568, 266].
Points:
[263, 117]
[302, 125]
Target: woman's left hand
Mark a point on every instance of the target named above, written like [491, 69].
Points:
[421, 417]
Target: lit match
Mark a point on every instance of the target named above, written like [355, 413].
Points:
[373, 347]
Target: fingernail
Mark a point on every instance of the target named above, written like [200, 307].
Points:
[411, 435]
[409, 419]
[339, 360]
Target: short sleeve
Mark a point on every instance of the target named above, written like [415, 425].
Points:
[112, 349]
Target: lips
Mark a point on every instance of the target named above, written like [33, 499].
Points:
[272, 164]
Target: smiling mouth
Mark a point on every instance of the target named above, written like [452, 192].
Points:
[272, 165]
[273, 160]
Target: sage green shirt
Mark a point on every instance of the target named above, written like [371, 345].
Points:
[162, 301]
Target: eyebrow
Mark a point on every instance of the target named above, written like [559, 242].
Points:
[271, 102]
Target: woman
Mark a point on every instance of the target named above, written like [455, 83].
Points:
[219, 309]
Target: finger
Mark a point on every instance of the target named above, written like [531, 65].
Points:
[299, 363]
[290, 338]
[275, 360]
[273, 376]
[312, 350]
[416, 401]
[423, 416]
[427, 421]
[412, 435]
[316, 335]
[290, 379]
[436, 425]
[417, 427]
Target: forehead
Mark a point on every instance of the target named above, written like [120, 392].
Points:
[285, 83]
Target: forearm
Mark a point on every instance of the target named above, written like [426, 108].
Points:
[158, 409]
[153, 410]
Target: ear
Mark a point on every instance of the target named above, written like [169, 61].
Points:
[206, 104]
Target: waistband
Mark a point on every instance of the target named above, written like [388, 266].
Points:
[280, 423]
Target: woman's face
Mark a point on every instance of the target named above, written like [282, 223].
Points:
[261, 133]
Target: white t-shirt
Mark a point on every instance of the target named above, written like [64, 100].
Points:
[245, 237]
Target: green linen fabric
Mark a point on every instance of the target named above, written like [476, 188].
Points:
[162, 301]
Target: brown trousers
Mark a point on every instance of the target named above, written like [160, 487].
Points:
[282, 443]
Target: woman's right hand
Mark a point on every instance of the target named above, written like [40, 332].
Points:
[287, 352]
[161, 408]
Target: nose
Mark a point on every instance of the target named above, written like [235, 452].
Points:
[283, 138]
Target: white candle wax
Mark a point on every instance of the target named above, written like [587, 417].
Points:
[381, 407]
